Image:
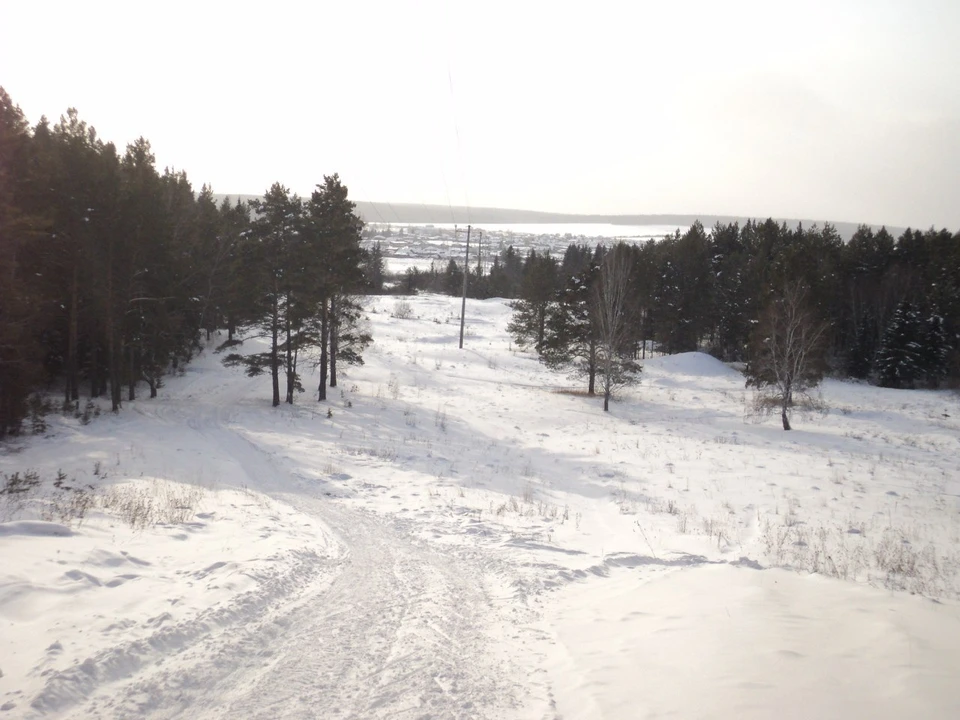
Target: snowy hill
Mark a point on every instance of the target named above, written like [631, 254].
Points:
[461, 533]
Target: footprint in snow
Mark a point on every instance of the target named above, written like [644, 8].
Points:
[79, 575]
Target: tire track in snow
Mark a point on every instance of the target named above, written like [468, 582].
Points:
[412, 642]
[396, 629]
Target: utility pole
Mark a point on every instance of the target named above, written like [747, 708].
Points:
[463, 304]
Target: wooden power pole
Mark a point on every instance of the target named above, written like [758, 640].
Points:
[463, 303]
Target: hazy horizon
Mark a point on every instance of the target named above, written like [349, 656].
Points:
[841, 111]
[394, 213]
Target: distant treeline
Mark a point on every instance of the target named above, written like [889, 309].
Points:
[891, 304]
[111, 272]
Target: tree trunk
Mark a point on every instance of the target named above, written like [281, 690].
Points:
[153, 387]
[132, 377]
[71, 391]
[114, 371]
[289, 359]
[95, 389]
[324, 337]
[116, 386]
[275, 353]
[784, 404]
[334, 340]
[541, 324]
[114, 353]
[324, 332]
[607, 380]
[592, 371]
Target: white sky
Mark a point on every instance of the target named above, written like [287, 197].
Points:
[846, 110]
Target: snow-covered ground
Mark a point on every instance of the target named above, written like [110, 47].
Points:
[464, 534]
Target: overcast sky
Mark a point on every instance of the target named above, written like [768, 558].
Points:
[823, 110]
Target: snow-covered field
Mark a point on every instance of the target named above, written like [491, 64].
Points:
[465, 535]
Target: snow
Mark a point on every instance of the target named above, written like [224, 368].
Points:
[697, 364]
[467, 535]
[724, 641]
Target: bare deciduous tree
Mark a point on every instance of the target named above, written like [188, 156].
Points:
[610, 315]
[787, 352]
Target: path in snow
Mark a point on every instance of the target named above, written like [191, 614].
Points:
[390, 628]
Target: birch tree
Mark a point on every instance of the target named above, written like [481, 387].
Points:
[787, 353]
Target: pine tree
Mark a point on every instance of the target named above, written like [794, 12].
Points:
[869, 302]
[23, 301]
[453, 278]
[934, 350]
[898, 362]
[570, 338]
[860, 359]
[210, 256]
[83, 197]
[334, 231]
[683, 292]
[732, 292]
[538, 289]
[505, 274]
[274, 264]
[236, 306]
[145, 277]
[374, 269]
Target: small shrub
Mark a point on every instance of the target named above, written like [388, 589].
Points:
[393, 385]
[69, 503]
[141, 505]
[16, 490]
[39, 408]
[528, 494]
[90, 410]
[440, 419]
[402, 310]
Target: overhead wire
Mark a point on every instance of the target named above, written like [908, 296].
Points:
[456, 126]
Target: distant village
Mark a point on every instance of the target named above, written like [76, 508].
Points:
[421, 244]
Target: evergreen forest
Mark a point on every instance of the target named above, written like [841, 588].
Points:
[114, 273]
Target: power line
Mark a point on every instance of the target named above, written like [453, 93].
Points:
[463, 303]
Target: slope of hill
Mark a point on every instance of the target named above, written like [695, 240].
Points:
[461, 533]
